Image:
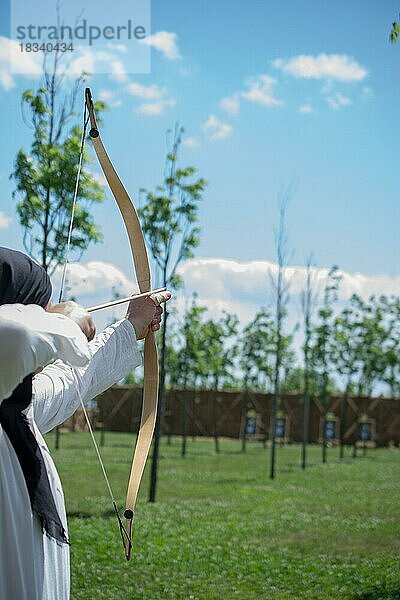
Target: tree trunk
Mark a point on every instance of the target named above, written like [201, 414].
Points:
[215, 416]
[160, 415]
[343, 415]
[184, 420]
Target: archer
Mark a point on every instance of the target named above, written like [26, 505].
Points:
[36, 396]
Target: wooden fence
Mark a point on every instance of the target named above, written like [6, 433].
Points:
[369, 421]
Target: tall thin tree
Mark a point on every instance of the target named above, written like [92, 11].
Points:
[169, 223]
[322, 346]
[45, 177]
[307, 303]
[280, 289]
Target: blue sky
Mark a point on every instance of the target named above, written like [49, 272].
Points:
[270, 93]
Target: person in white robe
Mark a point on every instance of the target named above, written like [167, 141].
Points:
[33, 564]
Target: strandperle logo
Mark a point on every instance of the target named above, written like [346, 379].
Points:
[112, 41]
[84, 31]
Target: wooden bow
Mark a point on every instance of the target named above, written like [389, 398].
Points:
[143, 275]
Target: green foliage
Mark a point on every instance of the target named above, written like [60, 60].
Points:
[293, 382]
[321, 335]
[45, 180]
[132, 378]
[376, 340]
[185, 350]
[355, 349]
[361, 344]
[169, 215]
[221, 529]
[221, 350]
[395, 32]
[345, 342]
[391, 311]
[258, 352]
[201, 353]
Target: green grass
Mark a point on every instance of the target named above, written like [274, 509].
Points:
[222, 530]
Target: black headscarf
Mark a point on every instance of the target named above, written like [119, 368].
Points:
[23, 281]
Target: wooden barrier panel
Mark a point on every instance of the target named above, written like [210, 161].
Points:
[225, 414]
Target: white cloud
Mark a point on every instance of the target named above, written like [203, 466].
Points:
[155, 96]
[227, 280]
[110, 98]
[324, 66]
[243, 287]
[118, 72]
[217, 129]
[305, 109]
[14, 62]
[85, 63]
[191, 142]
[155, 108]
[94, 277]
[6, 81]
[87, 60]
[338, 101]
[260, 90]
[5, 221]
[147, 92]
[236, 287]
[118, 47]
[165, 42]
[230, 104]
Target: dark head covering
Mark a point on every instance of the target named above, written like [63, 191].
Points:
[22, 281]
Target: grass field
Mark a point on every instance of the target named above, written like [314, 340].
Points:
[222, 530]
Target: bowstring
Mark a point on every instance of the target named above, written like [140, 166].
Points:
[124, 534]
[75, 198]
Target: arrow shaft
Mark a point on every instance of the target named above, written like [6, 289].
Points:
[122, 300]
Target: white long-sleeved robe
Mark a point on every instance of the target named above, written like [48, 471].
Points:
[34, 566]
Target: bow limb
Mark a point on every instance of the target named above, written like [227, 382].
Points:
[142, 269]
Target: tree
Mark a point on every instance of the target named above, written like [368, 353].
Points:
[280, 288]
[307, 304]
[257, 352]
[256, 357]
[345, 355]
[294, 381]
[395, 32]
[169, 223]
[201, 354]
[321, 349]
[191, 360]
[219, 358]
[391, 375]
[371, 341]
[220, 351]
[45, 176]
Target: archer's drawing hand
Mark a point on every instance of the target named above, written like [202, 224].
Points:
[145, 313]
[77, 313]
